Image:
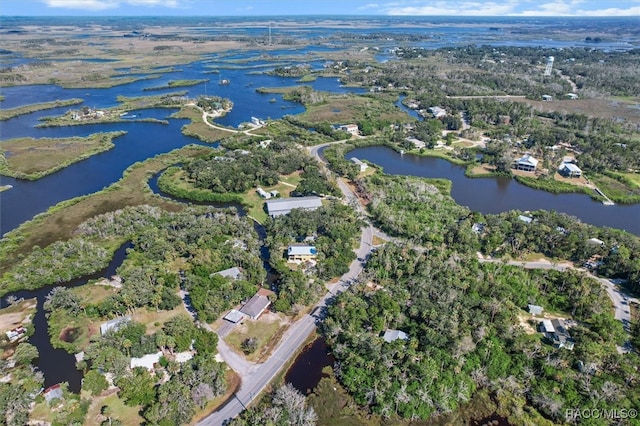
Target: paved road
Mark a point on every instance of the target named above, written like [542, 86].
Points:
[255, 377]
[619, 300]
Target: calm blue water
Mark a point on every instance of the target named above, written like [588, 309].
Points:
[142, 141]
[145, 140]
[496, 195]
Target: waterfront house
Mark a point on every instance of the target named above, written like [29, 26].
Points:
[301, 253]
[113, 325]
[392, 335]
[527, 163]
[53, 393]
[525, 219]
[570, 170]
[363, 166]
[16, 334]
[284, 206]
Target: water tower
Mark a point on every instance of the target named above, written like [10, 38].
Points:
[549, 67]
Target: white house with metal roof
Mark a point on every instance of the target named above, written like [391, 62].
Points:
[114, 324]
[570, 170]
[284, 206]
[527, 163]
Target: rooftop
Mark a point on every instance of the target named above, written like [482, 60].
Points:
[285, 205]
[113, 324]
[391, 335]
[255, 306]
[234, 273]
[302, 250]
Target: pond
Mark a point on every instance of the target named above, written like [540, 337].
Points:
[306, 371]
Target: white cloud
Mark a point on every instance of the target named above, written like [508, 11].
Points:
[508, 8]
[82, 4]
[97, 5]
[472, 8]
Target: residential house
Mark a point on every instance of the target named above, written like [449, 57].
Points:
[527, 163]
[114, 324]
[363, 166]
[147, 361]
[547, 98]
[525, 219]
[572, 96]
[478, 228]
[53, 393]
[284, 206]
[16, 334]
[234, 316]
[437, 112]
[233, 273]
[560, 335]
[301, 253]
[257, 304]
[535, 309]
[570, 170]
[262, 193]
[392, 335]
[417, 143]
[595, 242]
[349, 128]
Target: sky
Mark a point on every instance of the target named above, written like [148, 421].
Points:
[629, 8]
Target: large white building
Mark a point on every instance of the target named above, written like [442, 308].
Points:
[285, 205]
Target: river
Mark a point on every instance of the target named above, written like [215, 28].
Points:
[496, 195]
[58, 365]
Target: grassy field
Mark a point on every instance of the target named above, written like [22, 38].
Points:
[264, 330]
[129, 416]
[352, 108]
[177, 83]
[28, 158]
[255, 204]
[198, 128]
[620, 190]
[6, 114]
[61, 220]
[632, 178]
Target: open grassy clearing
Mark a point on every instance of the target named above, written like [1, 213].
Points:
[266, 331]
[128, 416]
[590, 107]
[633, 178]
[61, 220]
[6, 114]
[349, 108]
[255, 204]
[29, 158]
[618, 191]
